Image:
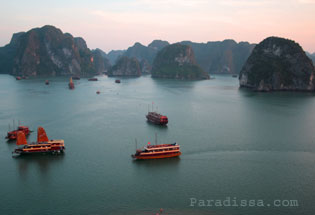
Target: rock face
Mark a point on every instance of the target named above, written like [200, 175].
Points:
[226, 57]
[177, 61]
[146, 53]
[114, 55]
[102, 64]
[145, 67]
[278, 64]
[311, 56]
[125, 66]
[46, 51]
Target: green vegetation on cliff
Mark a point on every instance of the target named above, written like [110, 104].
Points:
[125, 66]
[278, 64]
[46, 51]
[177, 61]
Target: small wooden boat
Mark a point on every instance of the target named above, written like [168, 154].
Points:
[98, 92]
[117, 81]
[76, 77]
[18, 78]
[92, 79]
[12, 135]
[47, 82]
[43, 144]
[71, 84]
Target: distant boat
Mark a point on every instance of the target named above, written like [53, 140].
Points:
[47, 82]
[234, 76]
[157, 151]
[76, 77]
[43, 144]
[117, 81]
[71, 84]
[18, 78]
[98, 92]
[12, 135]
[156, 118]
[92, 79]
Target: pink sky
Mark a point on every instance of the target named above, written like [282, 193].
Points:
[119, 24]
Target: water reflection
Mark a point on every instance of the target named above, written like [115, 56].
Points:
[173, 84]
[157, 163]
[159, 127]
[42, 163]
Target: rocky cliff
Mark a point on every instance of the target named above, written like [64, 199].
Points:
[113, 55]
[311, 56]
[146, 53]
[226, 57]
[102, 64]
[125, 66]
[278, 64]
[177, 61]
[46, 51]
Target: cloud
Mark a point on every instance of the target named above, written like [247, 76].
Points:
[246, 2]
[306, 1]
[170, 3]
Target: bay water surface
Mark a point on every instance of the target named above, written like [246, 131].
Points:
[236, 144]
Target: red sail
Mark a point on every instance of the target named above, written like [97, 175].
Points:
[41, 135]
[21, 139]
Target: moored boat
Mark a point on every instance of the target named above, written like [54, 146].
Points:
[43, 144]
[76, 77]
[71, 84]
[157, 151]
[47, 82]
[92, 79]
[12, 135]
[117, 81]
[18, 78]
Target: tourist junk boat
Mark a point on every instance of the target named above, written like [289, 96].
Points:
[156, 118]
[157, 151]
[43, 144]
[71, 84]
[12, 135]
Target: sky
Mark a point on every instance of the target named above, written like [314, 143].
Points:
[118, 24]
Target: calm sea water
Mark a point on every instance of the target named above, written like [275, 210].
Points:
[235, 143]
